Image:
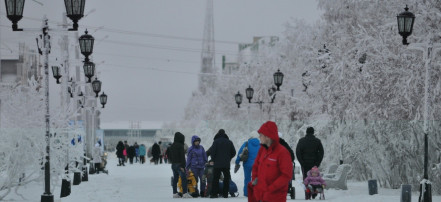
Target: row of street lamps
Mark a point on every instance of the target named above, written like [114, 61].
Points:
[75, 11]
[278, 80]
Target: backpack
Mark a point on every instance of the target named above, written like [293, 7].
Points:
[244, 155]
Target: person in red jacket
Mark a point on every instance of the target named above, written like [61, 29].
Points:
[272, 169]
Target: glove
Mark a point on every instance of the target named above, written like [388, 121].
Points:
[236, 168]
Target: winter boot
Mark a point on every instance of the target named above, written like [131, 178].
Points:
[186, 195]
[177, 195]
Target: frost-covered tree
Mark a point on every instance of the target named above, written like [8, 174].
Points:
[23, 145]
[350, 77]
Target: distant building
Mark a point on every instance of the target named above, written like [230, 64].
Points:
[17, 70]
[248, 52]
[122, 131]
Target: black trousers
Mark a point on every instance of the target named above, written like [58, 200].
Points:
[227, 178]
[305, 169]
[98, 168]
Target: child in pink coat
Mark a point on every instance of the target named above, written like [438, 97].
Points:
[314, 182]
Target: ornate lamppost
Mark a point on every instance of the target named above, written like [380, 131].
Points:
[405, 26]
[75, 10]
[249, 92]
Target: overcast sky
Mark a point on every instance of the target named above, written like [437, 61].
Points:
[148, 51]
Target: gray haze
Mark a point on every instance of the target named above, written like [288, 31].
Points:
[147, 73]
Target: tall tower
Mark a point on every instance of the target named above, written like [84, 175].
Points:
[207, 76]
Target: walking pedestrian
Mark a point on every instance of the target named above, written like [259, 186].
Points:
[272, 169]
[177, 158]
[142, 153]
[252, 146]
[196, 160]
[309, 151]
[156, 151]
[120, 153]
[222, 151]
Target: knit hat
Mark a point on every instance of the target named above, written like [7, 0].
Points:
[269, 129]
[315, 170]
[310, 131]
[254, 134]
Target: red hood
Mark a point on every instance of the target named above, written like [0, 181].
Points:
[269, 129]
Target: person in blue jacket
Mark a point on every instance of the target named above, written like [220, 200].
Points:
[253, 148]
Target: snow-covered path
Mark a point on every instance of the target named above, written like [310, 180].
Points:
[148, 182]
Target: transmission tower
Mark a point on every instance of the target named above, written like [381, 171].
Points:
[207, 77]
[134, 132]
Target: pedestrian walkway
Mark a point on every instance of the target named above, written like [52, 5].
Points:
[151, 183]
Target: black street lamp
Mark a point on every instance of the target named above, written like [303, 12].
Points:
[89, 70]
[56, 73]
[405, 24]
[86, 45]
[96, 85]
[271, 93]
[238, 98]
[278, 79]
[75, 11]
[103, 99]
[69, 90]
[14, 12]
[249, 93]
[82, 99]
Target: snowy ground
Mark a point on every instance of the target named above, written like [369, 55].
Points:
[152, 183]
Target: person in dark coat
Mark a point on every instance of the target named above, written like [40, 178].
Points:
[177, 159]
[286, 145]
[156, 151]
[136, 152]
[119, 153]
[309, 151]
[222, 151]
[131, 152]
[126, 147]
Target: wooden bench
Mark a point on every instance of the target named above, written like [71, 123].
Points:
[339, 178]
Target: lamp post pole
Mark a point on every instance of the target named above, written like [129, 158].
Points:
[47, 195]
[405, 25]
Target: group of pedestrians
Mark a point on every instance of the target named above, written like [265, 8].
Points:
[129, 153]
[267, 163]
[208, 174]
[158, 153]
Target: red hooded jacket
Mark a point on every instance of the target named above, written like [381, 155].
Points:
[272, 168]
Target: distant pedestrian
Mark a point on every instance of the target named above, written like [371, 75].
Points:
[136, 152]
[309, 151]
[196, 160]
[272, 169]
[167, 153]
[161, 152]
[120, 153]
[253, 146]
[131, 153]
[142, 153]
[222, 151]
[156, 152]
[97, 153]
[126, 146]
[177, 158]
